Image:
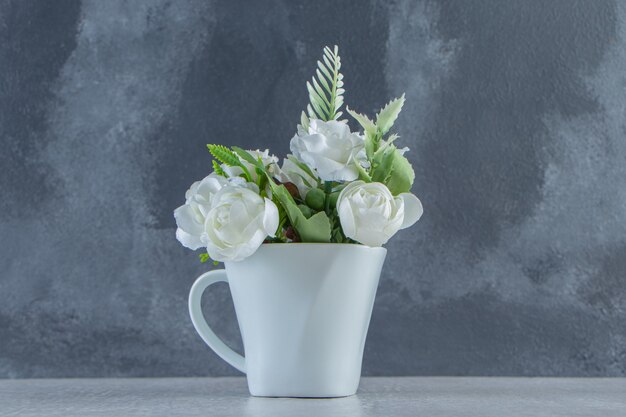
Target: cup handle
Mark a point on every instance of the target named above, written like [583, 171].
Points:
[197, 318]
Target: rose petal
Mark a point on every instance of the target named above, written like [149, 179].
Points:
[372, 237]
[330, 149]
[413, 209]
[346, 217]
[186, 220]
[187, 240]
[270, 218]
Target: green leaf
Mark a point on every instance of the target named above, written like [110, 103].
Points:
[323, 81]
[259, 173]
[316, 89]
[246, 156]
[372, 136]
[314, 229]
[304, 180]
[337, 236]
[204, 257]
[312, 113]
[218, 169]
[325, 91]
[302, 166]
[371, 144]
[391, 139]
[318, 101]
[363, 175]
[228, 157]
[318, 109]
[224, 155]
[388, 115]
[382, 163]
[332, 198]
[324, 70]
[368, 125]
[402, 175]
[306, 210]
[304, 121]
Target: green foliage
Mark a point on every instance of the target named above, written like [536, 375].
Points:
[306, 210]
[303, 167]
[315, 219]
[388, 115]
[363, 174]
[372, 142]
[304, 121]
[228, 157]
[337, 235]
[315, 198]
[368, 125]
[332, 199]
[282, 220]
[259, 168]
[224, 155]
[218, 169]
[246, 156]
[372, 135]
[401, 177]
[391, 168]
[374, 131]
[204, 258]
[387, 164]
[325, 91]
[382, 161]
[313, 229]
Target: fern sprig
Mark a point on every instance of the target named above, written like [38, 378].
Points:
[224, 155]
[228, 157]
[325, 91]
[218, 169]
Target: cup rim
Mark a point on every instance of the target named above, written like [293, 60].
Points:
[320, 244]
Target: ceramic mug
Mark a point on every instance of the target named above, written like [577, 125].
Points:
[303, 310]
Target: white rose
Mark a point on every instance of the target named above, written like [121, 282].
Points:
[238, 223]
[190, 217]
[371, 215]
[270, 161]
[331, 149]
[290, 172]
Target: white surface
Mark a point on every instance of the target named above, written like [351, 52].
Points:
[393, 397]
[303, 310]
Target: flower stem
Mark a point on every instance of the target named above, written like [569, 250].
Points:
[328, 188]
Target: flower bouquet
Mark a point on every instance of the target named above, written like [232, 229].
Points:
[337, 186]
[301, 241]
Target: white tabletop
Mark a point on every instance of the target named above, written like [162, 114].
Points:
[428, 397]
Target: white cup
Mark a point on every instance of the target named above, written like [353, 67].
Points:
[303, 311]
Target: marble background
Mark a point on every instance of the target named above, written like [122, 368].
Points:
[515, 118]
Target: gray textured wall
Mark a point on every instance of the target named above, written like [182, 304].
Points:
[515, 117]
